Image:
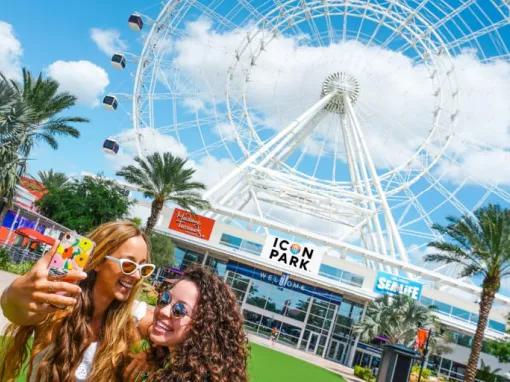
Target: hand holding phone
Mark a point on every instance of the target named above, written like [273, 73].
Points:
[32, 296]
[72, 254]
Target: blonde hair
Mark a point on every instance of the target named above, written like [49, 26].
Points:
[64, 335]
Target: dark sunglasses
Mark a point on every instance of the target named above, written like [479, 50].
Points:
[178, 309]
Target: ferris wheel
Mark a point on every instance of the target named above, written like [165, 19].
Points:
[357, 123]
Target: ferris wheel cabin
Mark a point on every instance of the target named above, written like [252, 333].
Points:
[135, 23]
[111, 146]
[118, 61]
[110, 102]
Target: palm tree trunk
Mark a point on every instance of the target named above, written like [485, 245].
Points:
[487, 298]
[156, 207]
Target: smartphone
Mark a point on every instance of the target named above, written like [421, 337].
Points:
[72, 254]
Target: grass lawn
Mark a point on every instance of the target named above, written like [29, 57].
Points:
[267, 365]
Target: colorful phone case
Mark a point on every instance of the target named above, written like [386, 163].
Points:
[73, 253]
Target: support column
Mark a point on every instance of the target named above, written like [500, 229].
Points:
[330, 331]
[356, 340]
[250, 282]
[306, 320]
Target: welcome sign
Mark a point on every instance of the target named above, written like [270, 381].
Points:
[293, 257]
[386, 283]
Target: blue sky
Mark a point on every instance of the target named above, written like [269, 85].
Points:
[394, 107]
[61, 30]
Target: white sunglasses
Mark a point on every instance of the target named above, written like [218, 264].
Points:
[128, 267]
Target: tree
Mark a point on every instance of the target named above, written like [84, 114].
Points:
[84, 204]
[481, 245]
[28, 114]
[501, 348]
[164, 178]
[487, 374]
[162, 250]
[395, 318]
[45, 102]
[14, 116]
[52, 179]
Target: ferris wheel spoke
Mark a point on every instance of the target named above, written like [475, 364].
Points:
[205, 9]
[476, 34]
[234, 110]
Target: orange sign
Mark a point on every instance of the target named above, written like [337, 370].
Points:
[191, 224]
[421, 339]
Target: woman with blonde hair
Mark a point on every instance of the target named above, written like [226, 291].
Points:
[87, 339]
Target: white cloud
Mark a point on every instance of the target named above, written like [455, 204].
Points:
[10, 52]
[396, 96]
[108, 40]
[482, 167]
[226, 131]
[210, 170]
[194, 104]
[151, 141]
[83, 79]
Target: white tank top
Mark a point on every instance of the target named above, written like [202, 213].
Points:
[85, 365]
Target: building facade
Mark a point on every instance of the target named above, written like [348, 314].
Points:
[316, 312]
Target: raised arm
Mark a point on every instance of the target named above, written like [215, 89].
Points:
[32, 296]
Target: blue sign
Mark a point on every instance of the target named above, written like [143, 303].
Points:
[284, 281]
[386, 283]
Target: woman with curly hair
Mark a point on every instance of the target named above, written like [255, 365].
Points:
[197, 333]
[89, 338]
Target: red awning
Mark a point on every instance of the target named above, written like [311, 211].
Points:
[32, 234]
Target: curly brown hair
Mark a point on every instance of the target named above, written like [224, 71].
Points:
[216, 348]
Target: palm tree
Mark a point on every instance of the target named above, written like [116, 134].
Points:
[46, 102]
[52, 179]
[480, 244]
[14, 116]
[163, 178]
[395, 318]
[28, 113]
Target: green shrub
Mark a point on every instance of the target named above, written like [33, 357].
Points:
[364, 373]
[425, 374]
[20, 268]
[4, 258]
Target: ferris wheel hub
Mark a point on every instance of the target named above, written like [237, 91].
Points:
[344, 85]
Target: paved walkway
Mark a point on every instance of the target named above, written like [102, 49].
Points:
[344, 371]
[5, 279]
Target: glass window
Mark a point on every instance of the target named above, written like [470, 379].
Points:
[184, 257]
[442, 307]
[357, 312]
[426, 301]
[352, 279]
[251, 247]
[344, 321]
[499, 326]
[460, 313]
[330, 272]
[217, 265]
[230, 241]
[345, 309]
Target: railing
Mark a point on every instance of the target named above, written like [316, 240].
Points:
[18, 254]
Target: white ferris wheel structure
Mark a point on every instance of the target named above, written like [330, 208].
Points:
[341, 120]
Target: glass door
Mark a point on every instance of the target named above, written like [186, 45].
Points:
[313, 342]
[336, 351]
